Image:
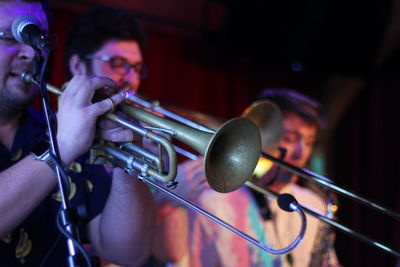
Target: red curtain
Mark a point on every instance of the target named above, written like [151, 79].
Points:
[174, 77]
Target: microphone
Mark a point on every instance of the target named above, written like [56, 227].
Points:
[26, 30]
[287, 202]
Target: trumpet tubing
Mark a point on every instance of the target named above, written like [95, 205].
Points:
[133, 157]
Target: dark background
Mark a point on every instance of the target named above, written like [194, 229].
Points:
[216, 56]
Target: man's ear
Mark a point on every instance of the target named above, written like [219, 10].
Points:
[77, 66]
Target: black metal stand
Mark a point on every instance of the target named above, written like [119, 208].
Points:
[39, 70]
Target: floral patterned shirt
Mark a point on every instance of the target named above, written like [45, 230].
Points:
[37, 240]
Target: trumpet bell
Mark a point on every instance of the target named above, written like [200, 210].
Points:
[232, 155]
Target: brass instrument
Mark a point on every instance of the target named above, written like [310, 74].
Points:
[268, 118]
[230, 157]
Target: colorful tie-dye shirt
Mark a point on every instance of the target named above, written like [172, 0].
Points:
[212, 245]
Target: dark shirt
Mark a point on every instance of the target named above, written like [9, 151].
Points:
[37, 241]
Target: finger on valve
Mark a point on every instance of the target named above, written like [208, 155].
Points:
[109, 103]
[119, 134]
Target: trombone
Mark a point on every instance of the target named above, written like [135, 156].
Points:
[232, 151]
[268, 118]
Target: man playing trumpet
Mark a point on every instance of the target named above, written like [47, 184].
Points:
[119, 210]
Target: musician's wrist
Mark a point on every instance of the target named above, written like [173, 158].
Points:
[67, 152]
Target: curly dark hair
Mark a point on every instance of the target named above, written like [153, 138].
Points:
[92, 29]
[45, 4]
[289, 100]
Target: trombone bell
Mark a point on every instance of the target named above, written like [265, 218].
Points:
[231, 154]
[268, 117]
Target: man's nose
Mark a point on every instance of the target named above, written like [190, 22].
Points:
[298, 150]
[26, 52]
[132, 78]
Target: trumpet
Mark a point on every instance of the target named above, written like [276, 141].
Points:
[232, 151]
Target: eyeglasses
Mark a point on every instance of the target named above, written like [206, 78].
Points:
[122, 66]
[7, 38]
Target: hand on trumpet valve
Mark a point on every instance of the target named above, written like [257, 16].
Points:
[77, 116]
[114, 132]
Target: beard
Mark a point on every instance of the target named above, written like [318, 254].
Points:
[13, 104]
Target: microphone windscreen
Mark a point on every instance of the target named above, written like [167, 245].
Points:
[284, 201]
[20, 23]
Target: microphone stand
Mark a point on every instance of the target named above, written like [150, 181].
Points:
[65, 210]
